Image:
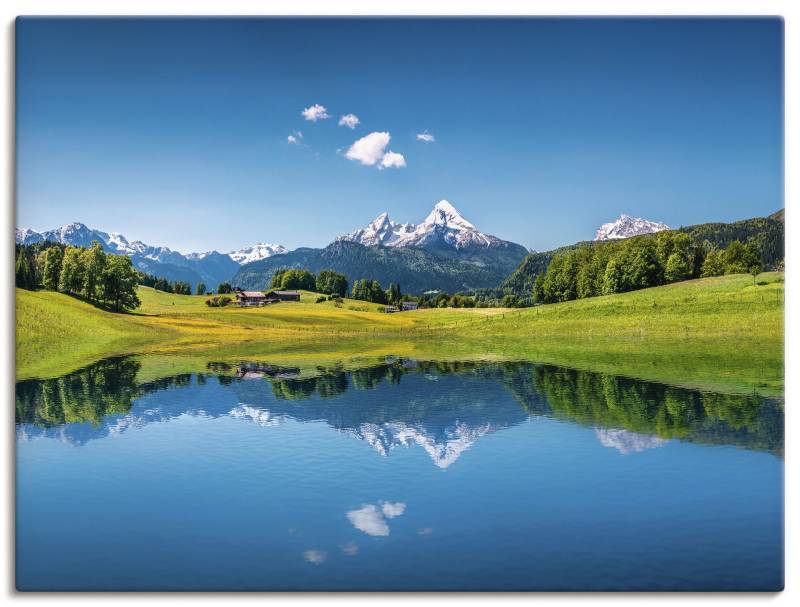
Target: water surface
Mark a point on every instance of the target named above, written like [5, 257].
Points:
[404, 475]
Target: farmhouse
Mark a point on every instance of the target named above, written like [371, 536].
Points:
[408, 305]
[275, 296]
[250, 298]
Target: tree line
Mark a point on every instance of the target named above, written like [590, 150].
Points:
[327, 281]
[179, 287]
[638, 263]
[100, 278]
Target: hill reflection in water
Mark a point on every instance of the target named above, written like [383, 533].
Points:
[443, 408]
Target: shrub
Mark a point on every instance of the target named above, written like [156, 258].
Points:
[320, 299]
[219, 301]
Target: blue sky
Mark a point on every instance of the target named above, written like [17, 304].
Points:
[175, 132]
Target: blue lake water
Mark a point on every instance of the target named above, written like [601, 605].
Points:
[403, 475]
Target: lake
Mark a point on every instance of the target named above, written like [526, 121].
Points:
[402, 475]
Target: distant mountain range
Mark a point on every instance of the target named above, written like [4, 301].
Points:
[627, 227]
[210, 267]
[444, 252]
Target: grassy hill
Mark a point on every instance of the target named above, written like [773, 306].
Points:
[723, 332]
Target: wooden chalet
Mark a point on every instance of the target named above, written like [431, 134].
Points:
[250, 298]
[276, 296]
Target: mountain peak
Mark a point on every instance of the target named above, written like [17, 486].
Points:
[627, 226]
[443, 225]
[258, 251]
[445, 214]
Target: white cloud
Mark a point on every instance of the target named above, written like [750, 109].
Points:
[296, 138]
[371, 150]
[316, 112]
[393, 159]
[349, 120]
[391, 510]
[315, 557]
[426, 137]
[369, 520]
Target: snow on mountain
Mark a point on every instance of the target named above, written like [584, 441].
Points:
[444, 449]
[79, 235]
[444, 224]
[626, 441]
[262, 250]
[627, 226]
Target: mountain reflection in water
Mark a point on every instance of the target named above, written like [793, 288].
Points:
[444, 407]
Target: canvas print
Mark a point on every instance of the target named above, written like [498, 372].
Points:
[418, 304]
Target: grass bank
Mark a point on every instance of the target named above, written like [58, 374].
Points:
[722, 333]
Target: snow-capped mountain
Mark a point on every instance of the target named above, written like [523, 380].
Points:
[210, 267]
[627, 226]
[443, 225]
[262, 250]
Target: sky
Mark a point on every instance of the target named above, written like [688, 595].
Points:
[202, 134]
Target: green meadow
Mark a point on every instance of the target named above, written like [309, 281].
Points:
[723, 333]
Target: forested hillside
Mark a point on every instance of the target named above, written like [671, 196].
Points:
[765, 234]
[415, 269]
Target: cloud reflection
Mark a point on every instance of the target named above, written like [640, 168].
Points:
[315, 557]
[371, 518]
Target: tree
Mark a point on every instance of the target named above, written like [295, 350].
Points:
[223, 288]
[53, 258]
[181, 288]
[297, 279]
[612, 277]
[72, 271]
[755, 270]
[94, 262]
[713, 265]
[512, 301]
[376, 293]
[739, 258]
[331, 283]
[538, 288]
[201, 288]
[119, 282]
[393, 294]
[24, 276]
[162, 284]
[277, 278]
[640, 265]
[677, 268]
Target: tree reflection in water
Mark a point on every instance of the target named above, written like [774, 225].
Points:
[453, 412]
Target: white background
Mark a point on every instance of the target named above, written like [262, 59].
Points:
[12, 8]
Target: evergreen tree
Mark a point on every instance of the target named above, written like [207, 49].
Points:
[393, 295]
[223, 288]
[201, 288]
[24, 277]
